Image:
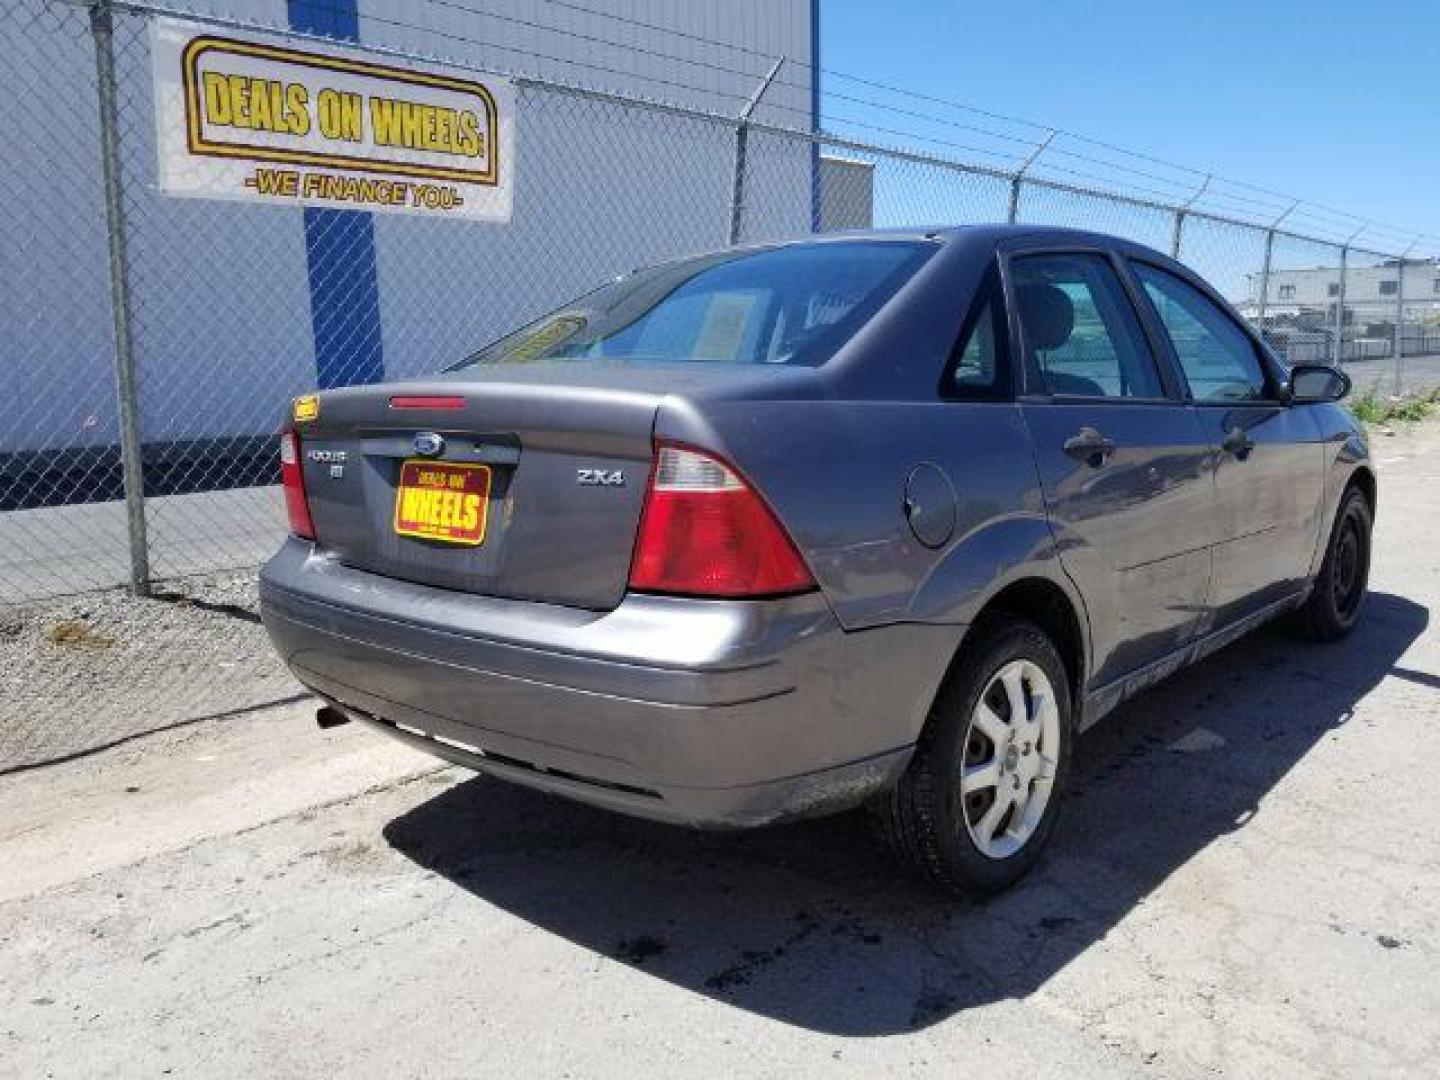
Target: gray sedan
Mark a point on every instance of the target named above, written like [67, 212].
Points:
[885, 518]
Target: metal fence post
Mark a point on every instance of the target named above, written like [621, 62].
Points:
[1180, 213]
[131, 462]
[1337, 349]
[1264, 282]
[1265, 267]
[1400, 315]
[1399, 324]
[742, 138]
[1019, 177]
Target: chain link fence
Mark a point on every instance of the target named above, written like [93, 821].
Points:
[152, 343]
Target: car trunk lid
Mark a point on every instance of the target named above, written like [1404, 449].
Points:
[517, 488]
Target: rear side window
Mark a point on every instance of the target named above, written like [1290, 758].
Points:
[1218, 358]
[789, 305]
[1081, 334]
[980, 369]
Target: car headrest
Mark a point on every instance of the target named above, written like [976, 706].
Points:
[1048, 315]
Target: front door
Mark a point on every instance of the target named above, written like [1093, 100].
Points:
[1269, 471]
[1124, 464]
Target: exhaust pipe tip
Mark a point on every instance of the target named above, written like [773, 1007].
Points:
[327, 716]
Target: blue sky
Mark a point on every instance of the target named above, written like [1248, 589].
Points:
[1335, 102]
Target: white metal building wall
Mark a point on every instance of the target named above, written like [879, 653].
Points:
[221, 290]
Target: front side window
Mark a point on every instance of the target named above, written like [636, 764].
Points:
[1218, 358]
[785, 305]
[1082, 337]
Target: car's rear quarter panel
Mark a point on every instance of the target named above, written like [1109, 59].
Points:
[835, 472]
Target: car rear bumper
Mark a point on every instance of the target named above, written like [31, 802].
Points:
[707, 713]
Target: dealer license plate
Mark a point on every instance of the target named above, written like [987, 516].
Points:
[442, 500]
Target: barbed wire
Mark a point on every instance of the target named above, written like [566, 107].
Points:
[1320, 211]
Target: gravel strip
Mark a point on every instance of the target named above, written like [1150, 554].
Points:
[85, 672]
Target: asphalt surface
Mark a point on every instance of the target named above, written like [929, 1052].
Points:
[1243, 884]
[1418, 374]
[65, 550]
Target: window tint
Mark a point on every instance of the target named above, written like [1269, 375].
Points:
[788, 305]
[981, 370]
[1218, 357]
[1082, 337]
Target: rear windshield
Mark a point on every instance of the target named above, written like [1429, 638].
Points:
[786, 305]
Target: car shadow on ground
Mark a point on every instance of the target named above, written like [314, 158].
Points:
[811, 924]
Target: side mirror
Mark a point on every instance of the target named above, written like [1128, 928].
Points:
[1317, 382]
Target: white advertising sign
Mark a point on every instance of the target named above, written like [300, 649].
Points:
[255, 117]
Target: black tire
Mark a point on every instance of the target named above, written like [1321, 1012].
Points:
[922, 820]
[1338, 596]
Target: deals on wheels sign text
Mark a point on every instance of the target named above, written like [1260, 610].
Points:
[253, 117]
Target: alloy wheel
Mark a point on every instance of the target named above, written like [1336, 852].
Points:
[1011, 753]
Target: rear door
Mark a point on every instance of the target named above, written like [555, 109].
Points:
[1269, 472]
[1123, 461]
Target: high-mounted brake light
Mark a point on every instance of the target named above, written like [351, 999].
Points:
[705, 532]
[427, 401]
[292, 479]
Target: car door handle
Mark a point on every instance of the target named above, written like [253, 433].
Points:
[1238, 443]
[1089, 446]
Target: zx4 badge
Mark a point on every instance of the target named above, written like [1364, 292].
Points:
[600, 477]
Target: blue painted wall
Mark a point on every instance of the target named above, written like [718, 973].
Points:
[340, 249]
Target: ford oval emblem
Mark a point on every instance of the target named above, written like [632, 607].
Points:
[428, 444]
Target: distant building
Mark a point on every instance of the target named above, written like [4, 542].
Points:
[847, 193]
[1300, 310]
[1309, 296]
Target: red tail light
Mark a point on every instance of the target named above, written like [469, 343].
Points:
[705, 532]
[292, 479]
